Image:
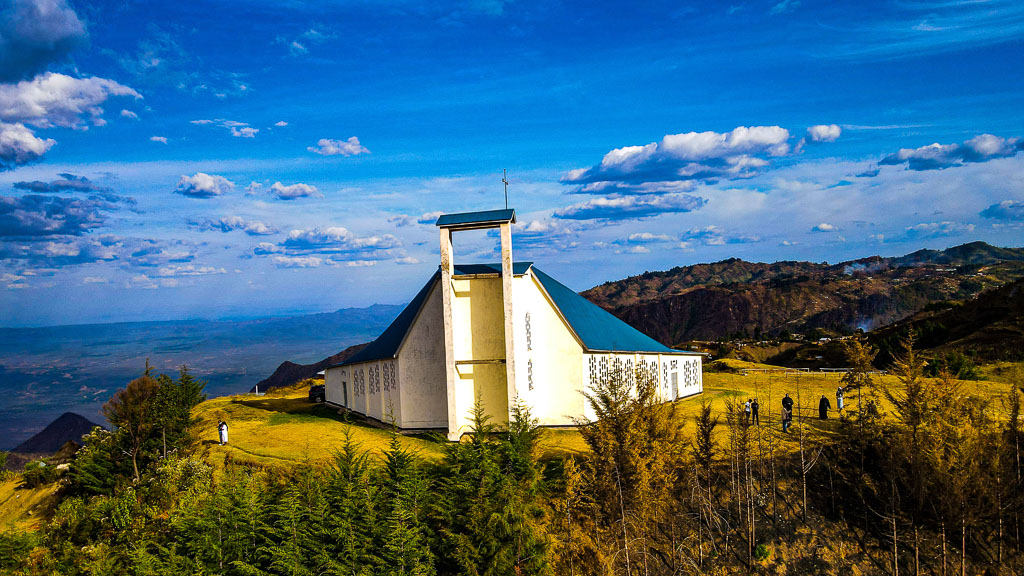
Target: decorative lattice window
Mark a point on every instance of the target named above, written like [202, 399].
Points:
[529, 334]
[529, 373]
[592, 366]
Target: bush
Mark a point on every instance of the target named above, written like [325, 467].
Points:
[38, 473]
[761, 552]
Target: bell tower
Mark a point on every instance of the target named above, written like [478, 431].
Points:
[448, 225]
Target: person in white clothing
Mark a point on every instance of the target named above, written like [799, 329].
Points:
[222, 428]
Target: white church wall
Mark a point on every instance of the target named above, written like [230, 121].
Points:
[674, 375]
[374, 402]
[548, 357]
[478, 329]
[335, 380]
[421, 381]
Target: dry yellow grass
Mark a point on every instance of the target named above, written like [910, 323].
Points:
[284, 428]
[21, 508]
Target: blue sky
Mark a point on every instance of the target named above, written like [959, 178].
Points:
[218, 159]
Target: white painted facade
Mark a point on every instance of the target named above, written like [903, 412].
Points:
[440, 367]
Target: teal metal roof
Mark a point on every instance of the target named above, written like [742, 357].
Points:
[598, 329]
[386, 345]
[473, 219]
[518, 268]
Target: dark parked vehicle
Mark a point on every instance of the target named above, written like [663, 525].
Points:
[317, 393]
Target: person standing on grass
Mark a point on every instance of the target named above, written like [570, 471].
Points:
[746, 411]
[787, 419]
[840, 394]
[823, 407]
[754, 408]
[222, 430]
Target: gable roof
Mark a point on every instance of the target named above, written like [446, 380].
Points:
[596, 328]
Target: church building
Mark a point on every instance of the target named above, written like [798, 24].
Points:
[502, 332]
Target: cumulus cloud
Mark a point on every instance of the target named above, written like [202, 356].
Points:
[34, 33]
[702, 156]
[68, 250]
[202, 185]
[937, 156]
[824, 227]
[244, 132]
[72, 183]
[293, 191]
[38, 215]
[230, 223]
[335, 240]
[429, 218]
[629, 207]
[327, 147]
[20, 146]
[160, 139]
[712, 235]
[1005, 210]
[824, 133]
[280, 123]
[407, 260]
[52, 99]
[129, 114]
[937, 230]
[297, 261]
[334, 244]
[173, 270]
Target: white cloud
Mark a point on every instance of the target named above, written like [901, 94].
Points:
[186, 270]
[824, 133]
[824, 227]
[236, 128]
[981, 148]
[429, 218]
[18, 146]
[938, 229]
[244, 132]
[52, 99]
[230, 223]
[1005, 210]
[350, 147]
[629, 207]
[160, 139]
[202, 185]
[360, 263]
[280, 124]
[297, 261]
[407, 260]
[129, 114]
[293, 191]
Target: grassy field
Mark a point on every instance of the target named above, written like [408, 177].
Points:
[285, 428]
[21, 508]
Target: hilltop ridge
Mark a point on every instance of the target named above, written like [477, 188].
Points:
[721, 299]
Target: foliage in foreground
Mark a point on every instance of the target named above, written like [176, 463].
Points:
[932, 487]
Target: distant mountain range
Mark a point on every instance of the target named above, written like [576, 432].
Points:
[735, 297]
[45, 372]
[289, 373]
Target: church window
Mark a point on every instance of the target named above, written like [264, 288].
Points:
[529, 335]
[529, 373]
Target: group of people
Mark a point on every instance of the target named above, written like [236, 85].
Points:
[751, 409]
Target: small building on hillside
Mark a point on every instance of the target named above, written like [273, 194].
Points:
[502, 332]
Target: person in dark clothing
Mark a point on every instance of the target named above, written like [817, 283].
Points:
[754, 407]
[823, 407]
[787, 403]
